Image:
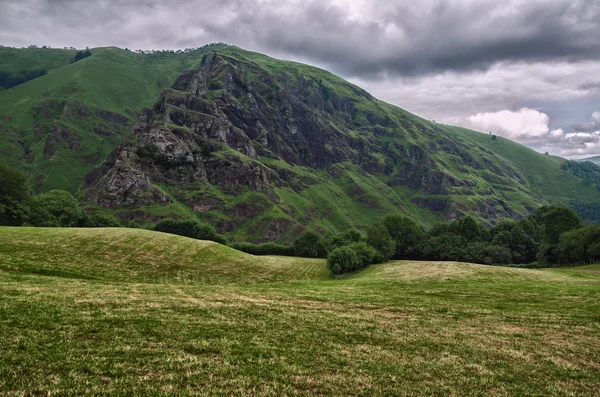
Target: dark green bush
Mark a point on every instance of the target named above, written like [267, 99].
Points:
[264, 249]
[340, 240]
[62, 206]
[379, 238]
[102, 220]
[310, 245]
[189, 228]
[342, 260]
[365, 254]
[407, 234]
[14, 198]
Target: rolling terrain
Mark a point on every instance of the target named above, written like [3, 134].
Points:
[595, 159]
[109, 311]
[258, 147]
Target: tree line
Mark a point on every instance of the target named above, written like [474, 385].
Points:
[9, 80]
[552, 235]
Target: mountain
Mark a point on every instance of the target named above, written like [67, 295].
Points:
[259, 147]
[595, 159]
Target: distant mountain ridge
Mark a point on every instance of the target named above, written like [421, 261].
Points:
[594, 159]
[259, 147]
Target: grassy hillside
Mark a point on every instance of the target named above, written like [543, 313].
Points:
[542, 171]
[126, 311]
[60, 126]
[141, 256]
[78, 98]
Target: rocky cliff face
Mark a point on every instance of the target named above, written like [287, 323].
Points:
[263, 148]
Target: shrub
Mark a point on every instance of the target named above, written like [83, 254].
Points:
[264, 249]
[13, 197]
[189, 228]
[102, 220]
[62, 206]
[407, 234]
[342, 260]
[343, 239]
[379, 238]
[365, 254]
[310, 245]
[495, 255]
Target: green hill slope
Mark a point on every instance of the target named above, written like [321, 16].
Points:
[58, 126]
[113, 311]
[263, 149]
[142, 256]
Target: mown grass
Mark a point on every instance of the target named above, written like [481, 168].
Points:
[107, 311]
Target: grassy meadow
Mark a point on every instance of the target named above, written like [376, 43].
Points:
[123, 311]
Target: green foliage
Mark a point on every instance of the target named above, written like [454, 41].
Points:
[446, 247]
[62, 206]
[264, 249]
[558, 220]
[7, 80]
[587, 170]
[81, 55]
[365, 254]
[469, 229]
[407, 234]
[310, 245]
[521, 238]
[379, 238]
[579, 246]
[189, 228]
[588, 211]
[13, 197]
[342, 260]
[488, 254]
[346, 238]
[102, 220]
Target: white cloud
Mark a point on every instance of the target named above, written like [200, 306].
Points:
[590, 125]
[523, 125]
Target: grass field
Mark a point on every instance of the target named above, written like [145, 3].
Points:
[117, 311]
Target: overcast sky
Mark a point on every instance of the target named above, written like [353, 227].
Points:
[528, 70]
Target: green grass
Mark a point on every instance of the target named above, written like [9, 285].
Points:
[117, 311]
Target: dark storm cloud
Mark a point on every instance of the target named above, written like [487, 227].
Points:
[527, 68]
[355, 38]
[590, 86]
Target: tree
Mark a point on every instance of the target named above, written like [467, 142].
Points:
[558, 220]
[446, 247]
[62, 206]
[379, 238]
[365, 254]
[189, 228]
[469, 229]
[342, 260]
[342, 239]
[14, 198]
[579, 245]
[512, 235]
[102, 220]
[406, 233]
[555, 221]
[310, 245]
